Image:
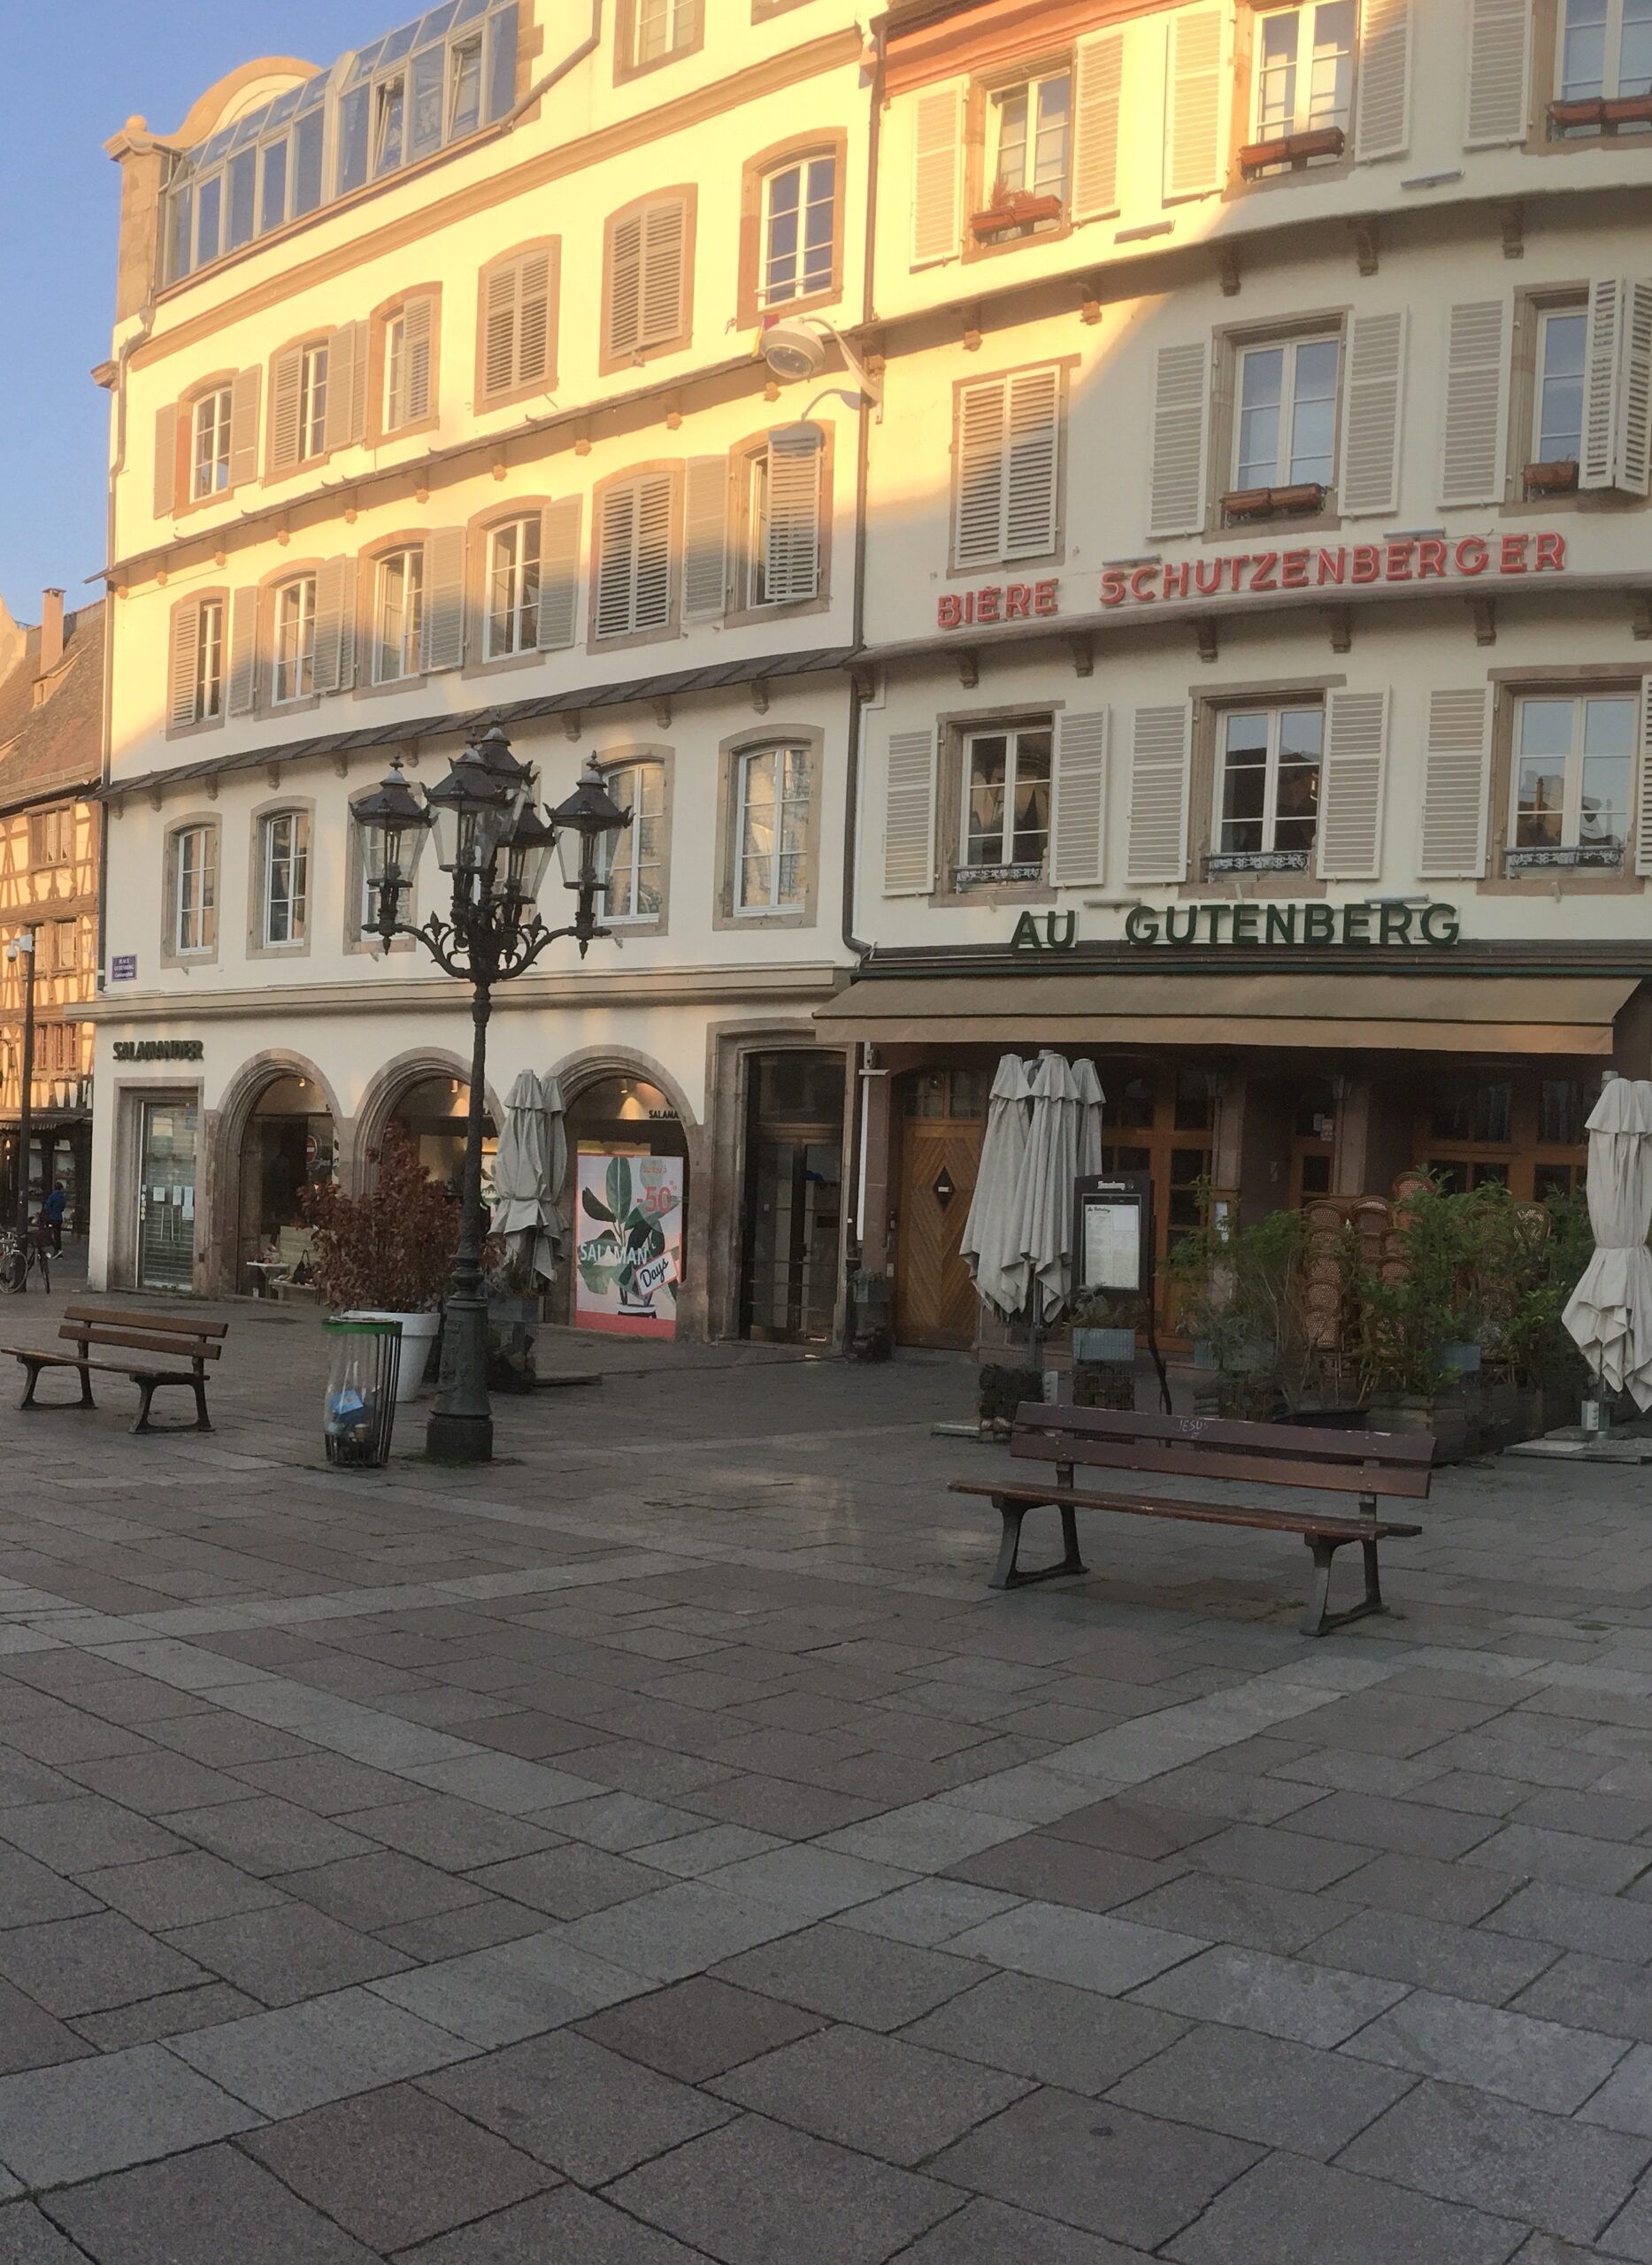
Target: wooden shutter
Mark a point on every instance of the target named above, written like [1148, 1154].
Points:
[705, 538]
[634, 571]
[1352, 785]
[1473, 432]
[346, 420]
[1097, 104]
[791, 566]
[444, 598]
[625, 285]
[559, 575]
[500, 288]
[616, 554]
[1643, 828]
[186, 636]
[1384, 127]
[909, 816]
[1181, 423]
[1499, 78]
[1031, 498]
[1372, 412]
[1634, 431]
[419, 328]
[1196, 87]
[517, 323]
[285, 376]
[937, 151]
[1456, 777]
[166, 461]
[1159, 762]
[977, 505]
[1618, 389]
[335, 668]
[1079, 820]
[243, 427]
[664, 273]
[243, 653]
[656, 567]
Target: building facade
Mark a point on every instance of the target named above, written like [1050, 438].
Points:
[51, 734]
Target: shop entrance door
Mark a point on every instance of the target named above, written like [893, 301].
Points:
[166, 1196]
[794, 1197]
[943, 1127]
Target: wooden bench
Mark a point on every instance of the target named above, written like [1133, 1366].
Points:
[1370, 1465]
[96, 1330]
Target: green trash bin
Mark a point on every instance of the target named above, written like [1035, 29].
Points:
[358, 1414]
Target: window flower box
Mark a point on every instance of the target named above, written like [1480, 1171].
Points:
[1271, 503]
[1604, 115]
[1021, 208]
[1557, 478]
[1292, 150]
[1628, 110]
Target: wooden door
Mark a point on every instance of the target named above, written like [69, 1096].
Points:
[935, 1298]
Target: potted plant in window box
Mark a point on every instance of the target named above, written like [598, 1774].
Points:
[387, 1254]
[1556, 477]
[1569, 116]
[1292, 150]
[1269, 503]
[1012, 208]
[1626, 110]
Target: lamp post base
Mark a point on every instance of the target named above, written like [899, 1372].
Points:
[459, 1438]
[461, 1428]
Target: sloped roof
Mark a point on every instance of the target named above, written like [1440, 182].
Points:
[55, 743]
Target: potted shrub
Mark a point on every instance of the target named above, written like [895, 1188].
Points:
[1241, 1295]
[387, 1253]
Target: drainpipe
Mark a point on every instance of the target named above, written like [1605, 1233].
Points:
[560, 70]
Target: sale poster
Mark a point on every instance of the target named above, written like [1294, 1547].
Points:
[629, 1251]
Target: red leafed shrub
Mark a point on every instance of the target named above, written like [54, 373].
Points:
[392, 1249]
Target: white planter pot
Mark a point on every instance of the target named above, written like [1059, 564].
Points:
[419, 1334]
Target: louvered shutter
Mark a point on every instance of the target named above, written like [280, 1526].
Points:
[347, 386]
[186, 637]
[1352, 785]
[938, 148]
[334, 665]
[533, 320]
[243, 653]
[653, 552]
[1473, 432]
[1456, 777]
[418, 395]
[1031, 495]
[1195, 89]
[1097, 103]
[791, 566]
[559, 575]
[909, 816]
[1500, 64]
[624, 287]
[444, 598]
[500, 288]
[978, 511]
[1384, 128]
[664, 273]
[243, 427]
[286, 375]
[1159, 762]
[1180, 429]
[616, 553]
[1634, 432]
[706, 538]
[1372, 407]
[166, 461]
[1643, 828]
[1078, 823]
[1618, 387]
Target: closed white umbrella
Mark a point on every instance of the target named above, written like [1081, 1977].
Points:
[1610, 1313]
[554, 1245]
[992, 1232]
[1052, 1166]
[1091, 1134]
[523, 1201]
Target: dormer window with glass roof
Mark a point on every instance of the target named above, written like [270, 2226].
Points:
[416, 91]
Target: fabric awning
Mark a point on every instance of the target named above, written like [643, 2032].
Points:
[1434, 1014]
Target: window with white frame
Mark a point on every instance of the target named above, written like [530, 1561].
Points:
[208, 701]
[660, 28]
[1268, 764]
[312, 400]
[774, 796]
[294, 644]
[1029, 137]
[398, 644]
[284, 877]
[1304, 69]
[1285, 413]
[1573, 772]
[209, 444]
[512, 622]
[636, 890]
[194, 889]
[1557, 393]
[799, 230]
[1605, 50]
[1007, 772]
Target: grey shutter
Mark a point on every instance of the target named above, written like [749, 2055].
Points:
[1159, 761]
[909, 816]
[335, 668]
[1031, 498]
[444, 598]
[664, 273]
[1384, 128]
[559, 575]
[656, 566]
[1097, 103]
[500, 287]
[937, 151]
[624, 287]
[1372, 412]
[243, 427]
[286, 373]
[347, 386]
[186, 634]
[1181, 423]
[166, 461]
[1196, 87]
[1352, 785]
[1499, 78]
[243, 653]
[1078, 821]
[1456, 777]
[616, 556]
[417, 393]
[1618, 389]
[705, 538]
[978, 503]
[791, 566]
[533, 319]
[1475, 429]
[1643, 828]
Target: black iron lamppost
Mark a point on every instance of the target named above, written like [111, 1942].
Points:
[495, 845]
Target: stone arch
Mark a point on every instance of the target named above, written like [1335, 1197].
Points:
[390, 1082]
[223, 1135]
[589, 1066]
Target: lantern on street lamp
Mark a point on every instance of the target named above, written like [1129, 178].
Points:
[588, 826]
[394, 827]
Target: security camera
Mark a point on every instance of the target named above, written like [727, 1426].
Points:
[793, 350]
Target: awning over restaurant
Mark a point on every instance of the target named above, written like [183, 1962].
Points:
[1434, 1014]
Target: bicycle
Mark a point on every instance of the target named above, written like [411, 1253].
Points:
[21, 1256]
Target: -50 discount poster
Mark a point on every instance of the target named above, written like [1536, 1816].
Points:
[630, 1244]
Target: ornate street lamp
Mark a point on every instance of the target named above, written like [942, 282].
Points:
[495, 847]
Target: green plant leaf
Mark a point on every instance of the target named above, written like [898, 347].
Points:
[594, 1207]
[619, 1185]
[598, 1280]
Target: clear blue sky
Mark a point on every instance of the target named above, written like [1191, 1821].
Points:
[75, 72]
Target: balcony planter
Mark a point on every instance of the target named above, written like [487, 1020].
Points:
[1272, 502]
[1292, 150]
[1628, 110]
[1567, 115]
[1019, 210]
[1557, 478]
